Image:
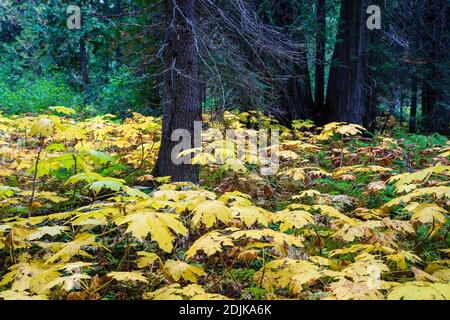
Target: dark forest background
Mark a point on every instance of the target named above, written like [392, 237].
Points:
[312, 159]
[294, 59]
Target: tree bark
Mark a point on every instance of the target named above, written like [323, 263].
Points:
[346, 97]
[435, 110]
[402, 100]
[84, 64]
[295, 95]
[413, 112]
[247, 96]
[84, 68]
[117, 13]
[320, 57]
[181, 105]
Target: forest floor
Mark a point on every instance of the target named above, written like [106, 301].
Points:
[347, 216]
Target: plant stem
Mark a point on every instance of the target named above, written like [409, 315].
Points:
[33, 192]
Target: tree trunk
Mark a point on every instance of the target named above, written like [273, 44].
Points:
[320, 57]
[84, 64]
[435, 111]
[117, 13]
[373, 89]
[181, 105]
[295, 95]
[84, 68]
[346, 97]
[107, 21]
[402, 100]
[247, 96]
[413, 112]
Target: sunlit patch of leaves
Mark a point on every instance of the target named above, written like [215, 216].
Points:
[82, 217]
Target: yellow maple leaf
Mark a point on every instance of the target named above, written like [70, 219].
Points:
[235, 165]
[162, 227]
[287, 272]
[307, 194]
[68, 283]
[180, 269]
[427, 213]
[20, 295]
[176, 292]
[288, 155]
[376, 187]
[358, 230]
[333, 213]
[172, 292]
[236, 198]
[209, 243]
[64, 110]
[297, 174]
[209, 212]
[407, 188]
[147, 259]
[438, 192]
[401, 257]
[350, 129]
[44, 127]
[404, 227]
[30, 275]
[442, 275]
[322, 261]
[203, 159]
[293, 219]
[42, 231]
[127, 276]
[70, 249]
[281, 241]
[345, 289]
[418, 177]
[416, 290]
[423, 276]
[363, 268]
[251, 215]
[209, 296]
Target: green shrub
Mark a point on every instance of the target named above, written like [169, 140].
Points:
[125, 91]
[30, 94]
